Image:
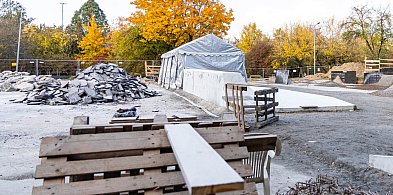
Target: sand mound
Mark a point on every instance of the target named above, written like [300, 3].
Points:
[351, 66]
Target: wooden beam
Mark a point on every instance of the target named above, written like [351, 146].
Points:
[204, 170]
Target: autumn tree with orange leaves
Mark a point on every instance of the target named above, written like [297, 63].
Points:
[179, 21]
[93, 45]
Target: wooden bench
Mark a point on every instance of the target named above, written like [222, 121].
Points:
[129, 162]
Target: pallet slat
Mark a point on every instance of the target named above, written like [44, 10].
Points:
[84, 144]
[124, 184]
[47, 170]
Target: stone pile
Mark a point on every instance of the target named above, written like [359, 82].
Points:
[97, 84]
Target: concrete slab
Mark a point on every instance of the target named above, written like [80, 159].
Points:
[384, 163]
[209, 84]
[293, 101]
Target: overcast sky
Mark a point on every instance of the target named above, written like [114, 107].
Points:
[268, 14]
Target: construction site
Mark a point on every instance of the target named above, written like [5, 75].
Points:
[197, 127]
[196, 97]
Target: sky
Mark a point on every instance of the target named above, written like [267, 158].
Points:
[267, 14]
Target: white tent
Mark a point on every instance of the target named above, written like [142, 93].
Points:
[208, 52]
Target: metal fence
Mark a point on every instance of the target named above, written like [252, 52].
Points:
[293, 72]
[67, 68]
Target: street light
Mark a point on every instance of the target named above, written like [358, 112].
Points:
[62, 15]
[315, 58]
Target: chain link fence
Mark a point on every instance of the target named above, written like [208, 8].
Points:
[68, 68]
[293, 72]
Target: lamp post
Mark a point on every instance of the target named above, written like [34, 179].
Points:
[18, 50]
[315, 57]
[62, 15]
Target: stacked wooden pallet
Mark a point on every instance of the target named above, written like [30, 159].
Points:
[115, 159]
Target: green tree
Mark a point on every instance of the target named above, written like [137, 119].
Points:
[127, 43]
[81, 18]
[373, 26]
[10, 12]
[179, 21]
[249, 36]
[94, 45]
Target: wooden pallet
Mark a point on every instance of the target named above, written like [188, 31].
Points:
[150, 119]
[127, 127]
[128, 162]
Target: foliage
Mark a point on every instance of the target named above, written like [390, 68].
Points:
[260, 55]
[83, 16]
[373, 26]
[10, 12]
[128, 44]
[249, 36]
[293, 46]
[93, 45]
[179, 21]
[48, 42]
[334, 49]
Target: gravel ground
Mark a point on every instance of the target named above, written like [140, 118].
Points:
[333, 143]
[338, 143]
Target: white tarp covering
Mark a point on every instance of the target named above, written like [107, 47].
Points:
[208, 53]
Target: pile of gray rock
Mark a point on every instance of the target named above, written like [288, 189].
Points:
[97, 84]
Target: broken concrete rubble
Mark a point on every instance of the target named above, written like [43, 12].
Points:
[97, 84]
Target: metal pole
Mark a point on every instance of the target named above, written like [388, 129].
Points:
[314, 47]
[314, 51]
[36, 67]
[17, 52]
[62, 16]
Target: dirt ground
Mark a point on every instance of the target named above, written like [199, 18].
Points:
[338, 143]
[333, 143]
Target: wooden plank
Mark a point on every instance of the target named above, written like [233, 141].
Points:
[260, 142]
[124, 184]
[55, 180]
[47, 170]
[203, 169]
[266, 91]
[93, 143]
[249, 189]
[268, 121]
[87, 129]
[266, 106]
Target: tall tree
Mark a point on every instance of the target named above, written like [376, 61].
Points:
[93, 45]
[373, 26]
[10, 12]
[293, 46]
[82, 17]
[179, 21]
[260, 54]
[249, 36]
